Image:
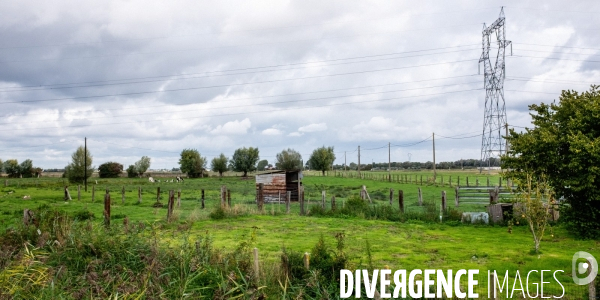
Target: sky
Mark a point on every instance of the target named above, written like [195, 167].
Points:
[151, 78]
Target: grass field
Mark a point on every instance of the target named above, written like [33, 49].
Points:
[412, 244]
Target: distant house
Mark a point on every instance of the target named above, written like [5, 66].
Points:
[277, 183]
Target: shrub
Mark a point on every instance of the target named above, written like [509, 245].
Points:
[110, 170]
[83, 215]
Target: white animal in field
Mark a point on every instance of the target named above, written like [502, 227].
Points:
[158, 180]
[151, 179]
[179, 179]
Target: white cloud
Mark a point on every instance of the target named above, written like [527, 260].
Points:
[233, 127]
[302, 106]
[272, 131]
[313, 127]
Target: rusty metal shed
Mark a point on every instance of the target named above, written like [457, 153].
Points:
[278, 183]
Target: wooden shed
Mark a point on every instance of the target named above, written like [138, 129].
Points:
[278, 183]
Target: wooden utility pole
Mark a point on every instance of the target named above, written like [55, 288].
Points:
[434, 173]
[85, 163]
[359, 161]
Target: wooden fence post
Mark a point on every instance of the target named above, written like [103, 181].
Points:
[488, 181]
[420, 198]
[476, 181]
[170, 205]
[222, 196]
[259, 197]
[421, 179]
[288, 199]
[467, 181]
[391, 196]
[401, 200]
[492, 284]
[333, 202]
[178, 198]
[362, 193]
[306, 261]
[458, 181]
[456, 196]
[93, 193]
[158, 194]
[500, 181]
[107, 209]
[67, 194]
[444, 200]
[139, 194]
[301, 199]
[202, 199]
[78, 192]
[27, 217]
[323, 199]
[123, 195]
[256, 268]
[229, 197]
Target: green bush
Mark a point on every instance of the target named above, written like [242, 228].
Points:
[83, 215]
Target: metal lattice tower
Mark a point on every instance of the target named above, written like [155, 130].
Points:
[492, 143]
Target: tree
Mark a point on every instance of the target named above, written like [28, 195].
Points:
[26, 169]
[192, 163]
[12, 168]
[244, 160]
[321, 159]
[142, 165]
[219, 164]
[110, 170]
[563, 146]
[262, 164]
[289, 160]
[131, 172]
[76, 170]
[535, 199]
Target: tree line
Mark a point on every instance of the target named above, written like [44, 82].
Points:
[415, 165]
[193, 164]
[23, 170]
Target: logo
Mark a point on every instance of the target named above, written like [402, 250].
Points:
[581, 264]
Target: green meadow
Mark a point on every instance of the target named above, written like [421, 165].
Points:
[406, 242]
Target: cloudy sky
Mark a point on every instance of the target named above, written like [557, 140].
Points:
[154, 77]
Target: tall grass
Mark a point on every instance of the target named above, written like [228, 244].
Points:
[63, 257]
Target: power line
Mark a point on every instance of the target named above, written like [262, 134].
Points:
[220, 47]
[541, 45]
[244, 113]
[235, 84]
[556, 58]
[549, 80]
[170, 77]
[460, 138]
[412, 144]
[266, 103]
[272, 96]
